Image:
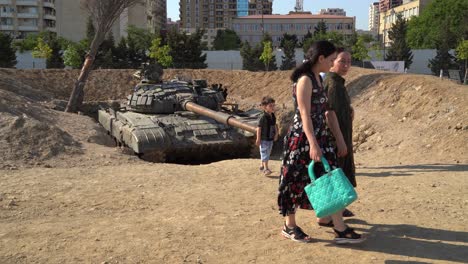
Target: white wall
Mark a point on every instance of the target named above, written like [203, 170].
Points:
[26, 61]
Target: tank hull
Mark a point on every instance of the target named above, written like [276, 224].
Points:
[181, 136]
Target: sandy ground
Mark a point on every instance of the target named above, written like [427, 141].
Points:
[68, 196]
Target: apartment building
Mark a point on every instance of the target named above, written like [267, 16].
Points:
[385, 5]
[20, 18]
[374, 17]
[156, 12]
[333, 12]
[213, 15]
[251, 28]
[72, 19]
[407, 10]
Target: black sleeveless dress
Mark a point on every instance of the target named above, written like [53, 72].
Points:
[294, 175]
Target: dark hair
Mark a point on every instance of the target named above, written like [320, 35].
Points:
[267, 100]
[340, 49]
[317, 49]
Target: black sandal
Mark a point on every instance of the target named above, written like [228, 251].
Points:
[295, 234]
[329, 224]
[348, 236]
[347, 213]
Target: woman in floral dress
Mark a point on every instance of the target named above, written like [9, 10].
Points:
[308, 139]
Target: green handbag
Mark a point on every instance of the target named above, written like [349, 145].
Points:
[330, 193]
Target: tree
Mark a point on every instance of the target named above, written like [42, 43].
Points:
[103, 14]
[399, 49]
[186, 50]
[267, 54]
[7, 52]
[71, 57]
[360, 51]
[289, 59]
[42, 50]
[423, 31]
[287, 37]
[443, 59]
[226, 40]
[121, 55]
[161, 53]
[321, 28]
[334, 37]
[462, 54]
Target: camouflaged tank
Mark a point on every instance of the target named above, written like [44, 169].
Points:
[180, 121]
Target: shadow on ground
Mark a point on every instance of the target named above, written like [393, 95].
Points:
[406, 170]
[414, 241]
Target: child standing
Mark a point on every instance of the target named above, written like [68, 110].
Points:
[267, 132]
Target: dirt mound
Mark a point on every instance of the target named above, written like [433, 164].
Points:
[400, 118]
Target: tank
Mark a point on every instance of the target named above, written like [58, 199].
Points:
[181, 121]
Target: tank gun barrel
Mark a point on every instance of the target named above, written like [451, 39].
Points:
[218, 116]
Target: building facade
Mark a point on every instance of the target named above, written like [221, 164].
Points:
[72, 19]
[21, 18]
[385, 5]
[333, 12]
[249, 28]
[213, 15]
[387, 19]
[156, 12]
[374, 17]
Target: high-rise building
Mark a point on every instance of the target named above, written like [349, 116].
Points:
[72, 19]
[156, 11]
[212, 15]
[374, 17]
[20, 18]
[385, 5]
[407, 11]
[333, 12]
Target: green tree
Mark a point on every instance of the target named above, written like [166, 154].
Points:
[251, 57]
[424, 30]
[226, 40]
[42, 49]
[321, 28]
[360, 51]
[291, 38]
[186, 50]
[71, 57]
[462, 54]
[443, 59]
[28, 43]
[399, 49]
[161, 53]
[334, 37]
[7, 52]
[121, 55]
[267, 54]
[289, 59]
[55, 61]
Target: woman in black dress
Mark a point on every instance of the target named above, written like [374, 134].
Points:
[308, 139]
[341, 111]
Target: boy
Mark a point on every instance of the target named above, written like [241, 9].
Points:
[267, 132]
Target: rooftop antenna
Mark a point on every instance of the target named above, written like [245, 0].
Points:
[299, 6]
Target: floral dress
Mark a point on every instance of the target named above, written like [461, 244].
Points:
[294, 175]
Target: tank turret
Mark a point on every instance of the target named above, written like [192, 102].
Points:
[179, 121]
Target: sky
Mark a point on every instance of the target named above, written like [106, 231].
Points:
[357, 8]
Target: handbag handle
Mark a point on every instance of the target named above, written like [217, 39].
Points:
[311, 168]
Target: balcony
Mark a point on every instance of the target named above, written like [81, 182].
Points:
[49, 4]
[51, 29]
[27, 15]
[50, 17]
[26, 3]
[6, 27]
[6, 14]
[5, 2]
[28, 28]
